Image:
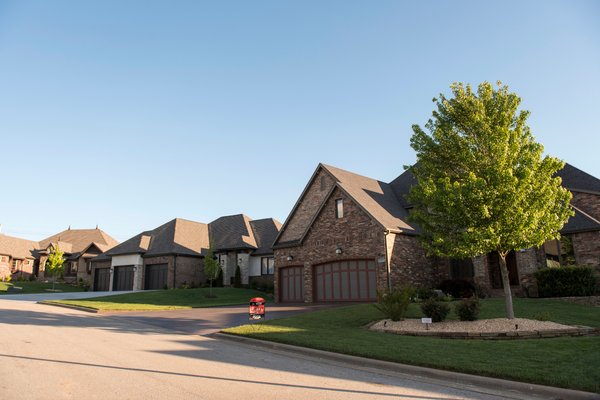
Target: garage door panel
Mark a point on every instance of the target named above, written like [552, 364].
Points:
[346, 280]
[123, 278]
[292, 284]
[102, 280]
[156, 276]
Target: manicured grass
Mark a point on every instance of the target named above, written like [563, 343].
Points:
[169, 299]
[572, 363]
[37, 287]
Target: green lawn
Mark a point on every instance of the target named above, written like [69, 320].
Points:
[572, 363]
[169, 299]
[37, 287]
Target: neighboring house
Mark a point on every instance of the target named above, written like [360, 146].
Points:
[173, 254]
[25, 257]
[17, 257]
[347, 235]
[245, 242]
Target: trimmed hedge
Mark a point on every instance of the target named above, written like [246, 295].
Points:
[567, 281]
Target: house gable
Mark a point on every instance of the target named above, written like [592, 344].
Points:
[307, 206]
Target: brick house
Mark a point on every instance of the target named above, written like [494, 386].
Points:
[26, 257]
[347, 235]
[173, 254]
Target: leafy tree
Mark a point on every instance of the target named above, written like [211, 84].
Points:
[483, 183]
[237, 279]
[55, 264]
[211, 266]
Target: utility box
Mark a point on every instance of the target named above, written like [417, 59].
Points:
[257, 309]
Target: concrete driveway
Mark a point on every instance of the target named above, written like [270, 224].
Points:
[34, 298]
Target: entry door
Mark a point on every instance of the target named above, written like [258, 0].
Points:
[353, 280]
[291, 283]
[101, 279]
[123, 279]
[156, 276]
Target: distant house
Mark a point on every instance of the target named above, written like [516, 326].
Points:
[25, 257]
[347, 236]
[172, 254]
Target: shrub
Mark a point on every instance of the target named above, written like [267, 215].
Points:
[31, 278]
[218, 282]
[61, 280]
[166, 287]
[395, 303]
[573, 280]
[80, 281]
[435, 310]
[253, 284]
[457, 287]
[545, 316]
[194, 286]
[468, 309]
[21, 278]
[237, 279]
[425, 293]
[185, 285]
[7, 278]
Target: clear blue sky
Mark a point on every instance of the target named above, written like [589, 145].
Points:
[129, 114]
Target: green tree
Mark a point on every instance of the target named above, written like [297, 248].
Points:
[483, 183]
[237, 279]
[54, 264]
[211, 266]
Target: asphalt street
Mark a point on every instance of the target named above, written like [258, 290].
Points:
[56, 353]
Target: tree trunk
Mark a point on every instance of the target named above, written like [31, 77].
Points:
[510, 314]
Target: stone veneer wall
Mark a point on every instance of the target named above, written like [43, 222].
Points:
[307, 209]
[356, 234]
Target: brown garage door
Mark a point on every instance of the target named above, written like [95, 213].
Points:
[101, 279]
[353, 280]
[291, 283]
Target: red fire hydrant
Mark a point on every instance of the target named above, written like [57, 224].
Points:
[257, 309]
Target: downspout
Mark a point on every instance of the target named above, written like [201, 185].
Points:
[387, 258]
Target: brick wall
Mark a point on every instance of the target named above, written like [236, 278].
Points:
[587, 248]
[307, 209]
[410, 264]
[588, 203]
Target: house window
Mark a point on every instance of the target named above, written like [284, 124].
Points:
[461, 268]
[15, 266]
[3, 259]
[73, 266]
[339, 208]
[323, 186]
[560, 252]
[267, 265]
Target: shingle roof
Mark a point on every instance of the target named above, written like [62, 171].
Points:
[580, 222]
[178, 236]
[574, 178]
[401, 186]
[377, 199]
[265, 231]
[17, 248]
[232, 232]
[79, 239]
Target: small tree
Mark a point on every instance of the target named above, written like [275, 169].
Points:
[483, 184]
[211, 266]
[237, 279]
[55, 264]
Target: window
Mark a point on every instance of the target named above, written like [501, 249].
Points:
[15, 266]
[461, 268]
[339, 208]
[267, 265]
[73, 266]
[323, 183]
[560, 252]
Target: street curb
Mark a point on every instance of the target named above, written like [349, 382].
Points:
[90, 310]
[430, 373]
